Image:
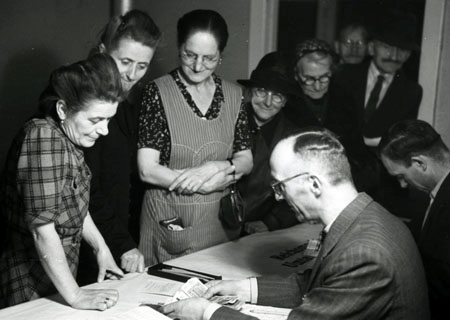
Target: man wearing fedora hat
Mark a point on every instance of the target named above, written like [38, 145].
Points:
[269, 88]
[381, 92]
[383, 95]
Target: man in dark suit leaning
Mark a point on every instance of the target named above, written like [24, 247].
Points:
[381, 92]
[415, 154]
[368, 266]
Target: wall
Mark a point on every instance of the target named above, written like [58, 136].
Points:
[166, 14]
[36, 37]
[435, 67]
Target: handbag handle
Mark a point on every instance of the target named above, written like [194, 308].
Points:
[234, 169]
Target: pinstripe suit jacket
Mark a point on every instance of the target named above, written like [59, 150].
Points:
[368, 268]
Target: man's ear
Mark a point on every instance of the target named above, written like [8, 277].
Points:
[101, 48]
[315, 185]
[419, 162]
[371, 48]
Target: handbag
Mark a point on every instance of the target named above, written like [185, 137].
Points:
[232, 208]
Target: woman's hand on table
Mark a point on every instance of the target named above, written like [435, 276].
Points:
[95, 299]
[132, 261]
[107, 266]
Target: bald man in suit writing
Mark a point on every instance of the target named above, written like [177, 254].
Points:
[368, 266]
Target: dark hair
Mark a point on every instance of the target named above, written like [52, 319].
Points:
[136, 25]
[203, 20]
[317, 144]
[96, 78]
[352, 27]
[316, 50]
[409, 138]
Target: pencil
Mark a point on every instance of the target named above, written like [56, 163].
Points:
[114, 273]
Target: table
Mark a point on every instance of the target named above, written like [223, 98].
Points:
[247, 256]
[251, 255]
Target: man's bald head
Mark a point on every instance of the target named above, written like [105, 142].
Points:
[315, 150]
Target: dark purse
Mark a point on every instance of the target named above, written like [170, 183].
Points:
[232, 208]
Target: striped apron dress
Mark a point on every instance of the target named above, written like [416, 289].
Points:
[194, 141]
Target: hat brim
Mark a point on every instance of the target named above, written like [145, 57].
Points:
[279, 86]
[402, 43]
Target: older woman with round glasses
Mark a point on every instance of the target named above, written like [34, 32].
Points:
[323, 102]
[193, 142]
[270, 87]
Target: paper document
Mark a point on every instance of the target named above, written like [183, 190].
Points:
[162, 287]
[140, 313]
[265, 313]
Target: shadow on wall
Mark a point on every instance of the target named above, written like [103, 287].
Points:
[22, 81]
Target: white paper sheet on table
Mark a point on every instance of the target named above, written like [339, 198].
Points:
[140, 313]
[162, 287]
[265, 312]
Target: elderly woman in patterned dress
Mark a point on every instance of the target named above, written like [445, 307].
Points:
[45, 189]
[191, 122]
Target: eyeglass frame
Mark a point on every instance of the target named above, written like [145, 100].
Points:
[262, 93]
[207, 61]
[309, 81]
[350, 43]
[279, 187]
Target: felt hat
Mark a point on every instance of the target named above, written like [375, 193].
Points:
[398, 29]
[273, 73]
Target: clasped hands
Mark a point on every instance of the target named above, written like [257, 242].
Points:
[203, 179]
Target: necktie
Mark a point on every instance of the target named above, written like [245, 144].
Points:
[314, 246]
[371, 105]
[322, 236]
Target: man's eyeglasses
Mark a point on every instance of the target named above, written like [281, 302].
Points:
[309, 81]
[278, 187]
[277, 98]
[350, 43]
[208, 61]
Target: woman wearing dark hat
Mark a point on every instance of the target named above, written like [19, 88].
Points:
[269, 88]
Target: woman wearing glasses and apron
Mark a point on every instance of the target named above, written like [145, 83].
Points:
[193, 143]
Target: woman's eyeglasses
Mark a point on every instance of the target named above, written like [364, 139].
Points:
[308, 80]
[262, 93]
[209, 61]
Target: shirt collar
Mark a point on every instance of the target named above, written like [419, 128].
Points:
[374, 73]
[438, 186]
